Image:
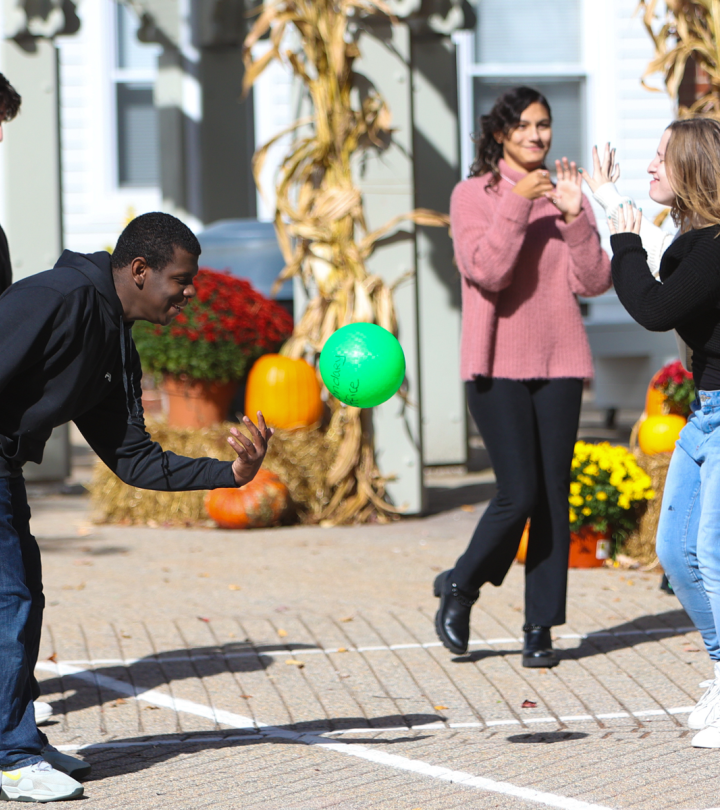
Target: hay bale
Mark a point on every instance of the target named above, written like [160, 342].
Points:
[300, 458]
[641, 543]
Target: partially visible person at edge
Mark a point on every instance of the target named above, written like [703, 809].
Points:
[9, 107]
[685, 175]
[525, 248]
[67, 353]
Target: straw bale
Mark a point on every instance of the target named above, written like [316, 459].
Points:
[300, 458]
[641, 543]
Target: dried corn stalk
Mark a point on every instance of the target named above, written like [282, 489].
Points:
[319, 216]
[685, 29]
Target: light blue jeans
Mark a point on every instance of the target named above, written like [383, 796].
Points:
[688, 538]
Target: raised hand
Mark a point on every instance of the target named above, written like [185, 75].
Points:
[604, 171]
[250, 453]
[629, 219]
[534, 185]
[567, 194]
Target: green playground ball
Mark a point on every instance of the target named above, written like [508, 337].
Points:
[362, 365]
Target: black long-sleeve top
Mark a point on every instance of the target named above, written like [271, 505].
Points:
[687, 297]
[66, 354]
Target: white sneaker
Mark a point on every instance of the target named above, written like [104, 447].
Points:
[38, 783]
[72, 766]
[708, 737]
[709, 704]
[43, 712]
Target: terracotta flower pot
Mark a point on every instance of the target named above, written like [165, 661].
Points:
[197, 403]
[588, 548]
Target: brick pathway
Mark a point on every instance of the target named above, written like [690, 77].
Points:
[298, 668]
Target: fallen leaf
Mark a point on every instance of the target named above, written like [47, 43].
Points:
[282, 633]
[203, 619]
[439, 708]
[690, 649]
[528, 704]
[234, 588]
[295, 663]
[247, 697]
[84, 531]
[80, 587]
[347, 618]
[281, 609]
[120, 701]
[342, 649]
[204, 574]
[83, 562]
[52, 658]
[466, 507]
[151, 708]
[123, 634]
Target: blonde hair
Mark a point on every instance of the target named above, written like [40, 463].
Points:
[692, 162]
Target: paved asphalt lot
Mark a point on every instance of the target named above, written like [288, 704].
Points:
[298, 668]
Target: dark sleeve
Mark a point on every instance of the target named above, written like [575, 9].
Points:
[124, 445]
[5, 266]
[31, 320]
[693, 287]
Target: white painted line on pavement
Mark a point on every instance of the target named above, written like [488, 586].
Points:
[290, 648]
[348, 749]
[161, 699]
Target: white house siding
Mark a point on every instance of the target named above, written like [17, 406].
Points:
[94, 208]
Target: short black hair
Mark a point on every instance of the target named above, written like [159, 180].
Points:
[9, 100]
[153, 236]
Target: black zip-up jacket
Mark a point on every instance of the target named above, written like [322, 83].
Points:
[66, 354]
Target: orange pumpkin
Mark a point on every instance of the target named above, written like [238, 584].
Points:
[658, 434]
[264, 502]
[285, 390]
[521, 555]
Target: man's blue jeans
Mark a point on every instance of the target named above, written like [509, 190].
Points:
[21, 609]
[688, 539]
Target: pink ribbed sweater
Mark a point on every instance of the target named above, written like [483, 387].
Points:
[521, 268]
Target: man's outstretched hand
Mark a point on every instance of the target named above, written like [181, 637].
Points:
[251, 451]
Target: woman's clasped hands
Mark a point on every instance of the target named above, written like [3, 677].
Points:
[565, 195]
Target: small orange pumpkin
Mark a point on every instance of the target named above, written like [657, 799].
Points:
[521, 555]
[285, 390]
[658, 434]
[264, 502]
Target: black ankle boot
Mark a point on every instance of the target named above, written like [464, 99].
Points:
[452, 621]
[538, 650]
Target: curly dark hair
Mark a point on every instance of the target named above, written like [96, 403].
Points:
[504, 116]
[153, 236]
[9, 100]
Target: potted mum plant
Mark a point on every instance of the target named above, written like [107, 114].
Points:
[671, 390]
[607, 489]
[209, 346]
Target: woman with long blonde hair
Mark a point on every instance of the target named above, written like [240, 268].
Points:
[686, 175]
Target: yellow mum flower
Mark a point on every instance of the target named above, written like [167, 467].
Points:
[575, 488]
[576, 500]
[587, 511]
[624, 502]
[601, 496]
[573, 516]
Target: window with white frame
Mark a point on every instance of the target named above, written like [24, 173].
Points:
[134, 74]
[525, 43]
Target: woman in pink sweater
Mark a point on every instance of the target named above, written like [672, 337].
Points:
[525, 249]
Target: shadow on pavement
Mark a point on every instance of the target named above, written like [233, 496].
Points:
[621, 636]
[166, 667]
[133, 754]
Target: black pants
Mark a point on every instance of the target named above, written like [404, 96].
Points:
[529, 429]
